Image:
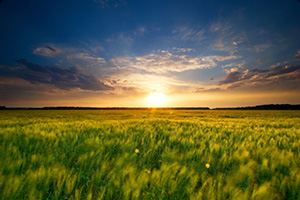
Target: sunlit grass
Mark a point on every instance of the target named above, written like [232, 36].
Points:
[149, 154]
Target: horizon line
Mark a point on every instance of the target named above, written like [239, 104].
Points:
[258, 107]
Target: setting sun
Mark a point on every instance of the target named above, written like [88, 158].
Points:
[156, 99]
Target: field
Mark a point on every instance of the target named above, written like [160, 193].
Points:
[149, 154]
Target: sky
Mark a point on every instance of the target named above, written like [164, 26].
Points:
[115, 53]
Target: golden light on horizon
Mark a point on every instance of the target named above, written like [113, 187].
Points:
[156, 99]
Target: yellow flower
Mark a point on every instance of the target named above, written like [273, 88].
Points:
[136, 150]
[207, 165]
[147, 171]
[160, 161]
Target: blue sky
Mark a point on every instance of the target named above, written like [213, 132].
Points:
[116, 52]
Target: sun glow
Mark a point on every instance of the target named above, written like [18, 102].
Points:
[156, 99]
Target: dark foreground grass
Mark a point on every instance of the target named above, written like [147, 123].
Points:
[149, 154]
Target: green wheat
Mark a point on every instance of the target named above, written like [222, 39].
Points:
[149, 154]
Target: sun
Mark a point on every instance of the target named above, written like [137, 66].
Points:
[156, 99]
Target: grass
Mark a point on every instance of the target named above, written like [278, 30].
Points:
[149, 154]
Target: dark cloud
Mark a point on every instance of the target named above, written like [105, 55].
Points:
[282, 75]
[235, 76]
[279, 70]
[66, 79]
[47, 51]
[8, 67]
[232, 77]
[52, 49]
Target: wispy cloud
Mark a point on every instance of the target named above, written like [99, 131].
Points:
[141, 30]
[94, 46]
[140, 83]
[225, 37]
[121, 37]
[182, 50]
[163, 61]
[111, 3]
[120, 41]
[187, 33]
[220, 26]
[84, 56]
[261, 47]
[207, 89]
[234, 64]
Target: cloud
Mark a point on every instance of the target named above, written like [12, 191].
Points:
[139, 31]
[297, 56]
[227, 36]
[205, 90]
[284, 77]
[46, 51]
[120, 40]
[9, 67]
[163, 61]
[67, 55]
[182, 50]
[66, 79]
[134, 82]
[261, 60]
[188, 33]
[233, 76]
[240, 65]
[248, 41]
[261, 47]
[224, 36]
[111, 3]
[220, 26]
[71, 53]
[94, 46]
[87, 57]
[219, 45]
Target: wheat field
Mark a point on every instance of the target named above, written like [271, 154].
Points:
[149, 154]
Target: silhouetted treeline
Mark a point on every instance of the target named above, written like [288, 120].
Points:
[124, 108]
[265, 107]
[108, 108]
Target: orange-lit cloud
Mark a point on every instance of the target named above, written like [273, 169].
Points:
[277, 78]
[297, 56]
